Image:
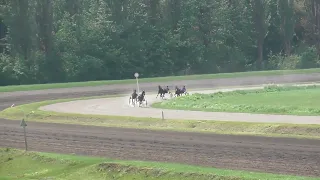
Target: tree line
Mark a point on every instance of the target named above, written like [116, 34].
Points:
[45, 41]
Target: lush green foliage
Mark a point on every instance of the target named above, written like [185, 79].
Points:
[16, 164]
[296, 100]
[45, 41]
[221, 127]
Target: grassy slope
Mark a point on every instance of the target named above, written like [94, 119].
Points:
[158, 79]
[17, 164]
[265, 129]
[291, 100]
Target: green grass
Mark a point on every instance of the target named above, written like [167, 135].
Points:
[21, 165]
[289, 100]
[157, 79]
[220, 127]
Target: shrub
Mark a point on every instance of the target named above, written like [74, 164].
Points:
[284, 62]
[290, 62]
[309, 58]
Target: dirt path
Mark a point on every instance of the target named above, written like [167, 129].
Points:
[275, 155]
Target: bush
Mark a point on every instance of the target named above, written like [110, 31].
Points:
[290, 62]
[281, 62]
[273, 61]
[7, 70]
[309, 58]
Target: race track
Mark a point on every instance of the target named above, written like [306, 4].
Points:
[119, 106]
[276, 155]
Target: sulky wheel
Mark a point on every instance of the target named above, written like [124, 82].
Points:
[132, 101]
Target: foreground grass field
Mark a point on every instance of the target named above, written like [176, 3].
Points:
[17, 164]
[158, 79]
[220, 127]
[291, 100]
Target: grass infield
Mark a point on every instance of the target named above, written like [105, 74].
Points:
[289, 100]
[17, 164]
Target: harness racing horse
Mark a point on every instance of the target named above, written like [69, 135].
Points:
[133, 97]
[162, 91]
[179, 91]
[141, 98]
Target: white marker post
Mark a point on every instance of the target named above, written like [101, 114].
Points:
[136, 75]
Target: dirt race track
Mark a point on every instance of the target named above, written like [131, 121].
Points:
[118, 106]
[275, 155]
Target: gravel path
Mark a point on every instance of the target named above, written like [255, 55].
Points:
[119, 106]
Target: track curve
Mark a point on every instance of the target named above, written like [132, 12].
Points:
[276, 155]
[118, 106]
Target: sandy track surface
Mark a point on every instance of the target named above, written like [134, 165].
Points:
[119, 106]
[289, 156]
[275, 155]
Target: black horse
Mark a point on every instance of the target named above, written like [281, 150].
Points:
[162, 91]
[141, 98]
[179, 91]
[133, 97]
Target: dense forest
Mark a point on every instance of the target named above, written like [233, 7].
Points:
[43, 41]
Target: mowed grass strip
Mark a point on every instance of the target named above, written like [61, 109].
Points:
[17, 164]
[156, 79]
[203, 126]
[288, 100]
